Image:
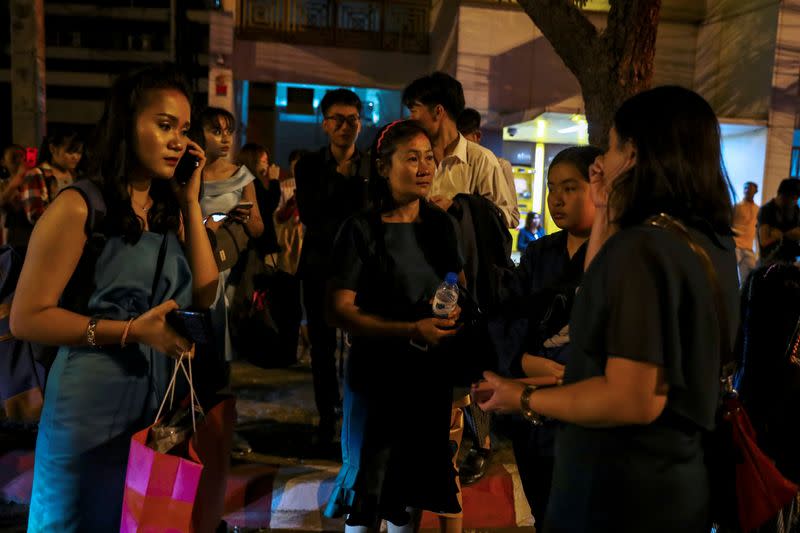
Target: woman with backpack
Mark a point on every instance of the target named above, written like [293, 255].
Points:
[641, 384]
[116, 350]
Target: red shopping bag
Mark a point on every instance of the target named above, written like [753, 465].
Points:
[160, 489]
[212, 447]
[182, 490]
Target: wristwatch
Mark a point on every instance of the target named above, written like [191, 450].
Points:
[527, 413]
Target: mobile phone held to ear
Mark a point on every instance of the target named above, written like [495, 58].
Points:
[193, 325]
[186, 167]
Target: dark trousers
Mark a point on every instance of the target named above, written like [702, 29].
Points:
[535, 470]
[323, 350]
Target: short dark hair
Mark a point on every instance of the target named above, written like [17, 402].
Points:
[749, 183]
[789, 187]
[340, 97]
[468, 121]
[383, 147]
[679, 169]
[436, 89]
[580, 157]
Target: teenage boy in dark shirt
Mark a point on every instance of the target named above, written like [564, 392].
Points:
[331, 186]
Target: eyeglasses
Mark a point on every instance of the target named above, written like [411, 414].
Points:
[352, 120]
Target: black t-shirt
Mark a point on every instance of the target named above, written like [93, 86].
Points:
[645, 297]
[531, 299]
[325, 199]
[403, 283]
[783, 219]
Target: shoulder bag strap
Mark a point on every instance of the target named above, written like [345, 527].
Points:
[162, 254]
[727, 361]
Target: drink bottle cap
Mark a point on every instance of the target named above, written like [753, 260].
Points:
[451, 278]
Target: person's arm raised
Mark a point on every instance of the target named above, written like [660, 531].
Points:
[205, 274]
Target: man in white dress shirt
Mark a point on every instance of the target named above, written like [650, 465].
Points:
[436, 101]
[469, 125]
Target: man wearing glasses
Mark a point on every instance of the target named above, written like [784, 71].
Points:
[331, 186]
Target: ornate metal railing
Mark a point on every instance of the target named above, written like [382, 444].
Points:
[392, 25]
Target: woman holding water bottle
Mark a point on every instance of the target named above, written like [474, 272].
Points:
[387, 265]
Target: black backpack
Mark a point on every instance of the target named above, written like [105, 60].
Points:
[23, 364]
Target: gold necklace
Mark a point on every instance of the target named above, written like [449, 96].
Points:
[146, 207]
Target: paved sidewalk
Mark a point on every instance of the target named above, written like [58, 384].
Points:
[286, 481]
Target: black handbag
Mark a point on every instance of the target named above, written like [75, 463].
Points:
[471, 350]
[229, 243]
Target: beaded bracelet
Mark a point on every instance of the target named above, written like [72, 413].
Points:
[91, 331]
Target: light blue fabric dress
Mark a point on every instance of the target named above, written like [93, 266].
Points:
[96, 398]
[221, 197]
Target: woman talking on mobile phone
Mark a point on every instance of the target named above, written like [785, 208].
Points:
[113, 365]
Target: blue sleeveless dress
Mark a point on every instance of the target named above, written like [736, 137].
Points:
[96, 398]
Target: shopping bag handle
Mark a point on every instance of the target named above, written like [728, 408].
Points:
[170, 392]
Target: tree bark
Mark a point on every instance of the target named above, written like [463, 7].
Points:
[610, 66]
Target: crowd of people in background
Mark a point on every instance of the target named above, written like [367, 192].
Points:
[601, 348]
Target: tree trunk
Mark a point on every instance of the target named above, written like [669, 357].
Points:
[611, 66]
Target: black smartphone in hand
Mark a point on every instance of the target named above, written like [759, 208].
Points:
[193, 325]
[186, 167]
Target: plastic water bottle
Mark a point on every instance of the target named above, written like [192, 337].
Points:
[446, 296]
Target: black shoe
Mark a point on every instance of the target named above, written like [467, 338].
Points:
[475, 465]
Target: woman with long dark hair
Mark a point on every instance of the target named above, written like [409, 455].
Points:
[114, 363]
[642, 379]
[388, 263]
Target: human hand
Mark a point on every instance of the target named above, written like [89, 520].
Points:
[241, 213]
[433, 330]
[152, 329]
[190, 193]
[273, 172]
[442, 202]
[503, 395]
[602, 178]
[535, 366]
[497, 395]
[212, 225]
[18, 177]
